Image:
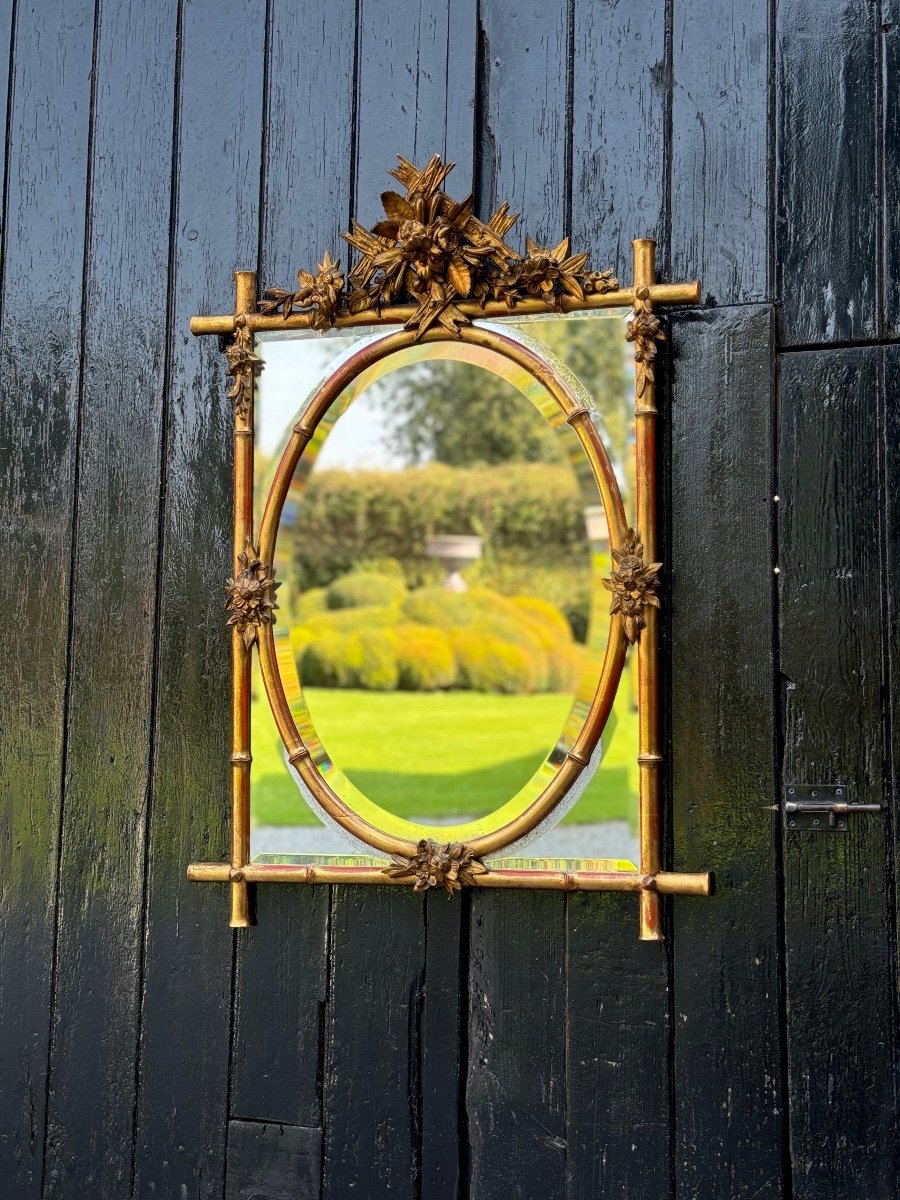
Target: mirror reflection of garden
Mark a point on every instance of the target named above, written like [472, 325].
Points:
[438, 687]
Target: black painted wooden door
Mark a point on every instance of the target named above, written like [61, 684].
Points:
[365, 1043]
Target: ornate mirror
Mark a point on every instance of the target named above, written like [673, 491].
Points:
[444, 598]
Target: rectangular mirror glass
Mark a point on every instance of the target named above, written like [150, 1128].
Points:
[442, 620]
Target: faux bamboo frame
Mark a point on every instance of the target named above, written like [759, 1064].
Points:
[433, 252]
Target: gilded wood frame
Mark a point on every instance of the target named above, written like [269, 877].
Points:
[446, 267]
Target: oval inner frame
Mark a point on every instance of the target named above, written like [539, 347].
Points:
[511, 822]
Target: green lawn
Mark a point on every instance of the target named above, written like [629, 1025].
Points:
[427, 754]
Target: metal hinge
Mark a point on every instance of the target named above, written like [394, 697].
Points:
[820, 807]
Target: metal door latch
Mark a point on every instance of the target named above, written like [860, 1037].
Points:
[820, 808]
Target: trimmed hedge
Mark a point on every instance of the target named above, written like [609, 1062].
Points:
[425, 658]
[440, 639]
[364, 659]
[488, 664]
[360, 588]
[524, 511]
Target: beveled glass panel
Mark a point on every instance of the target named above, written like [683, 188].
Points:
[442, 621]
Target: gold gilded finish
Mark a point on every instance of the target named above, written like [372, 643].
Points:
[669, 883]
[436, 866]
[397, 314]
[320, 293]
[242, 363]
[645, 331]
[433, 267]
[649, 756]
[242, 369]
[633, 585]
[433, 253]
[251, 596]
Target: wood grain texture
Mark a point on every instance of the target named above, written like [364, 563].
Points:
[620, 98]
[523, 148]
[890, 140]
[442, 1028]
[515, 1074]
[273, 1162]
[890, 419]
[186, 1000]
[42, 258]
[95, 1019]
[416, 93]
[720, 148]
[843, 1133]
[826, 206]
[373, 1044]
[308, 136]
[728, 1069]
[515, 1093]
[307, 184]
[280, 992]
[617, 1053]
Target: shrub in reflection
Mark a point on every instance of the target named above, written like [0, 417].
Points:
[431, 639]
[365, 587]
[425, 658]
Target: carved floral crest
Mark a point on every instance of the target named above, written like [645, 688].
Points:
[433, 252]
[251, 596]
[633, 584]
[435, 866]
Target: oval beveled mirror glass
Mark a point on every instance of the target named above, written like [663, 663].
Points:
[442, 643]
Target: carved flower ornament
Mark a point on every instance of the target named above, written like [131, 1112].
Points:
[432, 251]
[435, 866]
[633, 584]
[251, 596]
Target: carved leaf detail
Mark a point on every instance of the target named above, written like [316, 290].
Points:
[432, 252]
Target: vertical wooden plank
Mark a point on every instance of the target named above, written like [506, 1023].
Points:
[92, 1066]
[617, 1015]
[619, 108]
[309, 136]
[827, 170]
[273, 1162]
[516, 1089]
[416, 92]
[440, 1033]
[890, 418]
[837, 932]
[280, 994]
[891, 609]
[720, 147]
[515, 1081]
[307, 168]
[523, 153]
[40, 344]
[371, 1082]
[728, 1068]
[6, 81]
[416, 95]
[184, 1049]
[890, 139]
[617, 1053]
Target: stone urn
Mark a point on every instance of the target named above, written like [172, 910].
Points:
[453, 552]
